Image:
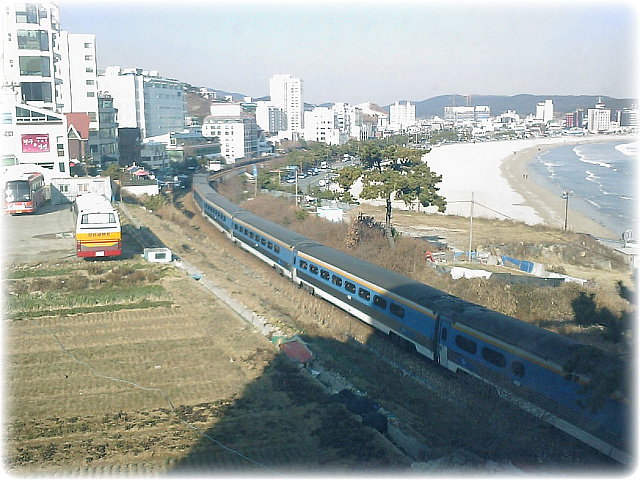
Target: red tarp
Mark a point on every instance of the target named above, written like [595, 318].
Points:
[297, 351]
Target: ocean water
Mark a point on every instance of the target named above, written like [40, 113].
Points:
[603, 177]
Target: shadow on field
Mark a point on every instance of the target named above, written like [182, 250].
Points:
[285, 421]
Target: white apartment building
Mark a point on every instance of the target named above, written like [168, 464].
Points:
[270, 118]
[34, 130]
[349, 120]
[236, 129]
[544, 111]
[402, 116]
[320, 126]
[78, 70]
[598, 118]
[377, 114]
[286, 94]
[145, 100]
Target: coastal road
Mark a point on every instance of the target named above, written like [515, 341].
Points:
[46, 235]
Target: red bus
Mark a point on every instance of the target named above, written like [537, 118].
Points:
[24, 194]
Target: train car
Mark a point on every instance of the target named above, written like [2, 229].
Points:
[527, 364]
[98, 230]
[24, 193]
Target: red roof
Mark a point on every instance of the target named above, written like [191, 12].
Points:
[80, 122]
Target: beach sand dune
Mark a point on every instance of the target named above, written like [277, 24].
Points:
[497, 176]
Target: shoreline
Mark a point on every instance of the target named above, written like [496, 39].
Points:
[544, 197]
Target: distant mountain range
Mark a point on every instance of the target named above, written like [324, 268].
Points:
[523, 104]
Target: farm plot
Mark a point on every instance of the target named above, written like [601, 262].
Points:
[163, 378]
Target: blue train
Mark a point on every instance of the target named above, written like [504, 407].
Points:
[524, 362]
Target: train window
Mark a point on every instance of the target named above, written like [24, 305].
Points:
[349, 287]
[518, 369]
[336, 280]
[313, 269]
[270, 245]
[362, 293]
[276, 248]
[379, 302]
[303, 264]
[235, 227]
[467, 345]
[397, 310]
[324, 274]
[443, 335]
[251, 235]
[493, 357]
[263, 241]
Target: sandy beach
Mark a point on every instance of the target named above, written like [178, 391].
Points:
[497, 175]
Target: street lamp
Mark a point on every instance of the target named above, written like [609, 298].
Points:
[566, 194]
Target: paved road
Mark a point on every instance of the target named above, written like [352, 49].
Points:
[46, 235]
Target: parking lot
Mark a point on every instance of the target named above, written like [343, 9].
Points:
[46, 235]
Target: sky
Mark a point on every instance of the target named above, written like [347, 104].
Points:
[372, 51]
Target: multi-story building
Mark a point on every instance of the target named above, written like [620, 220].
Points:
[629, 117]
[103, 143]
[402, 116]
[145, 100]
[467, 116]
[235, 126]
[349, 120]
[574, 119]
[34, 131]
[270, 118]
[320, 126]
[286, 93]
[598, 118]
[544, 111]
[78, 92]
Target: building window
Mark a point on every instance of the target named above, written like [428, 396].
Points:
[91, 94]
[33, 40]
[28, 13]
[466, 344]
[38, 66]
[88, 57]
[36, 91]
[88, 45]
[63, 188]
[90, 82]
[61, 168]
[89, 70]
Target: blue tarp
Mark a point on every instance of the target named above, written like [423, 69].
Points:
[522, 265]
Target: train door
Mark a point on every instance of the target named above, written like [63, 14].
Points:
[442, 332]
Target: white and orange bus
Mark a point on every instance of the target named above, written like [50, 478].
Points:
[98, 231]
[24, 193]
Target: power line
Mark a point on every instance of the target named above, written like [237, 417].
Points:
[613, 259]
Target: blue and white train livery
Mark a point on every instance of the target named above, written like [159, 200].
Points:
[524, 362]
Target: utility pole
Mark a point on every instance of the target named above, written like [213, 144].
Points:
[566, 194]
[471, 227]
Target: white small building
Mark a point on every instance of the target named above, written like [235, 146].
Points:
[598, 118]
[331, 213]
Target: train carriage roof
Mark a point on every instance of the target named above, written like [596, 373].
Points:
[528, 337]
[285, 235]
